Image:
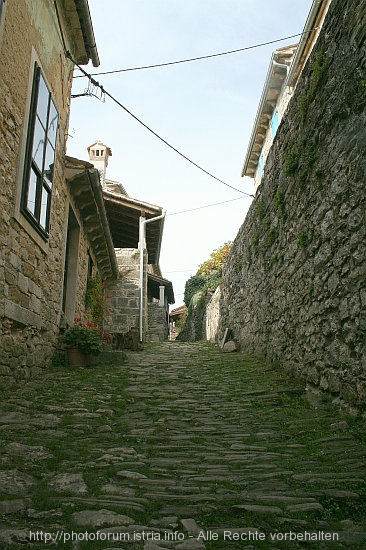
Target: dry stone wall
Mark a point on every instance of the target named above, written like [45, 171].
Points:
[294, 284]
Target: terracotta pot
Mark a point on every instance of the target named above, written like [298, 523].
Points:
[76, 357]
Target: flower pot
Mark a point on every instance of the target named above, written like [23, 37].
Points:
[76, 357]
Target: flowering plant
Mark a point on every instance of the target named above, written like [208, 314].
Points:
[88, 337]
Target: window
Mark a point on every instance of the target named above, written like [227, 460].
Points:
[71, 268]
[40, 155]
[261, 165]
[2, 2]
[2, 9]
[274, 123]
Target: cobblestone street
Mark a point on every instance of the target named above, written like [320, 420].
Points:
[181, 447]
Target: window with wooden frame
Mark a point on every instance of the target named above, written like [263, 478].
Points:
[2, 2]
[40, 155]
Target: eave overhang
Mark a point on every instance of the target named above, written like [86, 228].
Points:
[80, 25]
[124, 220]
[87, 194]
[276, 76]
[313, 25]
[154, 282]
[175, 313]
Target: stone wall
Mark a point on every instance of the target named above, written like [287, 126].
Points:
[123, 295]
[31, 268]
[158, 328]
[195, 328]
[294, 285]
[212, 317]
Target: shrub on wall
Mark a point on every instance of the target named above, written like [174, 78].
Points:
[208, 276]
[194, 284]
[95, 303]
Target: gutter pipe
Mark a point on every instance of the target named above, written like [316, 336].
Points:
[142, 246]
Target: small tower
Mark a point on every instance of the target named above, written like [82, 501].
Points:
[98, 156]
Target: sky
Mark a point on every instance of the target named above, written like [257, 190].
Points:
[205, 109]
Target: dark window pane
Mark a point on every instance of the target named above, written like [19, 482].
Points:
[44, 208]
[42, 103]
[49, 163]
[52, 124]
[39, 164]
[32, 191]
[38, 144]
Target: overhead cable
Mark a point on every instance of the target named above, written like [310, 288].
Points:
[205, 206]
[104, 91]
[199, 58]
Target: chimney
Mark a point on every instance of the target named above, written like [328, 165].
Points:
[98, 157]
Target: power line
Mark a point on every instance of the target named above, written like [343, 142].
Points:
[104, 91]
[182, 271]
[199, 58]
[205, 206]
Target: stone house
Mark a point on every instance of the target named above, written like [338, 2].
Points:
[141, 296]
[40, 221]
[54, 227]
[283, 74]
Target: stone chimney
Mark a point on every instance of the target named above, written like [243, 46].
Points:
[98, 157]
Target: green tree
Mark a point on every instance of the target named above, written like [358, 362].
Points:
[208, 276]
[215, 261]
[194, 284]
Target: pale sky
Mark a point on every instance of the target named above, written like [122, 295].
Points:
[205, 109]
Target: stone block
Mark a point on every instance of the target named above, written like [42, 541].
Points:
[10, 277]
[35, 289]
[324, 385]
[15, 261]
[349, 393]
[230, 346]
[23, 282]
[333, 383]
[313, 376]
[22, 315]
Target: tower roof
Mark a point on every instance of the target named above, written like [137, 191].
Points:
[101, 145]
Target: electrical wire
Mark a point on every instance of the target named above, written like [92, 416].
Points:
[182, 270]
[104, 91]
[199, 58]
[205, 206]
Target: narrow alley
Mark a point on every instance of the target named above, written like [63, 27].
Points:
[181, 447]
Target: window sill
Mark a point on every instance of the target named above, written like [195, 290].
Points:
[33, 233]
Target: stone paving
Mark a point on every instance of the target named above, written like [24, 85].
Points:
[182, 447]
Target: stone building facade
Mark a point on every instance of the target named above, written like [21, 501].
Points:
[38, 206]
[123, 296]
[283, 74]
[294, 284]
[140, 297]
[58, 226]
